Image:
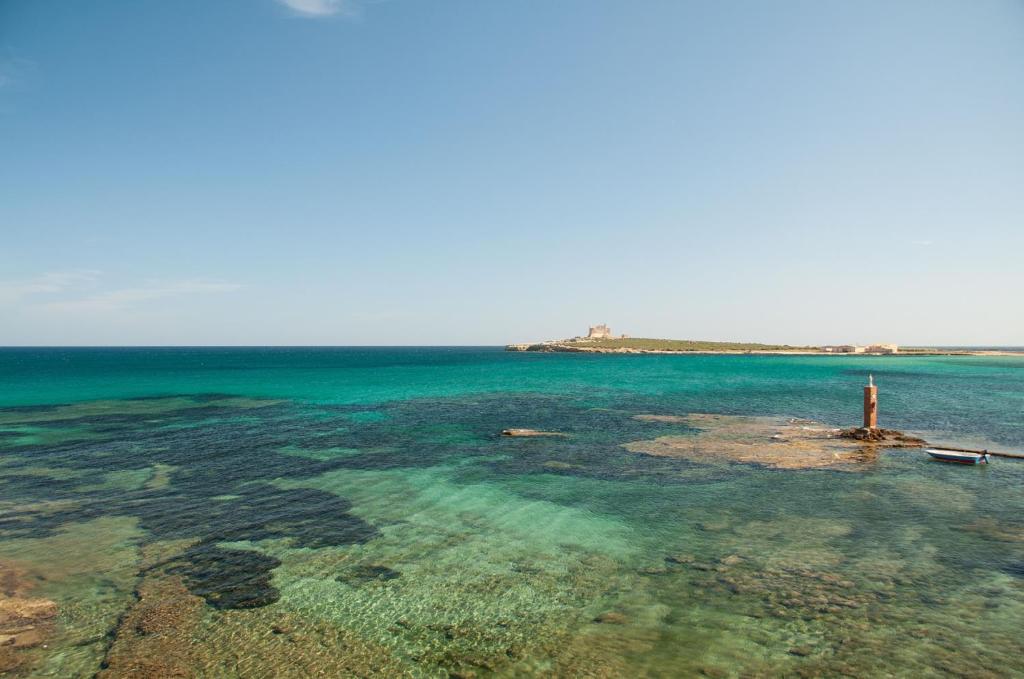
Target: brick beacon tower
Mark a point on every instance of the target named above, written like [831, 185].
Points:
[871, 404]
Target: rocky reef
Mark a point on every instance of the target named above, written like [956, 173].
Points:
[767, 441]
[421, 542]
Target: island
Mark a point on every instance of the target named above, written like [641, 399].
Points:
[600, 340]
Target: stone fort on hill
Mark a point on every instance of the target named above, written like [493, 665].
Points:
[602, 331]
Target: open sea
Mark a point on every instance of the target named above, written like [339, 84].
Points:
[320, 512]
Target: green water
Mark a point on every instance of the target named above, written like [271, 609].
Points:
[355, 512]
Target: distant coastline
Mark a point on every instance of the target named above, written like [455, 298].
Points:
[639, 345]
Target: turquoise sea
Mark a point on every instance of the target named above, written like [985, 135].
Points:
[355, 512]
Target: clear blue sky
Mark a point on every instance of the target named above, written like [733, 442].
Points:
[479, 172]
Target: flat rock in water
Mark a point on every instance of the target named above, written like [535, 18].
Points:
[772, 442]
[529, 432]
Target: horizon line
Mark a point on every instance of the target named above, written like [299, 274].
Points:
[396, 346]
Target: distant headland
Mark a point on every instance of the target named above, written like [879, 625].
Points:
[600, 340]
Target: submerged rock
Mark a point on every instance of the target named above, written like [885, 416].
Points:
[149, 639]
[666, 419]
[530, 432]
[261, 642]
[18, 611]
[611, 618]
[368, 574]
[560, 466]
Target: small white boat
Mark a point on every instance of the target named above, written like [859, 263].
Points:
[958, 456]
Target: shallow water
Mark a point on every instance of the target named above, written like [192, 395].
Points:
[302, 512]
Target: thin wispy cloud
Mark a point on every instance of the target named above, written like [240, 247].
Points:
[49, 283]
[321, 8]
[124, 298]
[81, 290]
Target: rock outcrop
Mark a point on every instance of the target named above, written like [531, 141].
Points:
[770, 442]
[888, 437]
[25, 622]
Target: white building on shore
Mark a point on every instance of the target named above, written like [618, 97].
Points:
[843, 349]
[858, 349]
